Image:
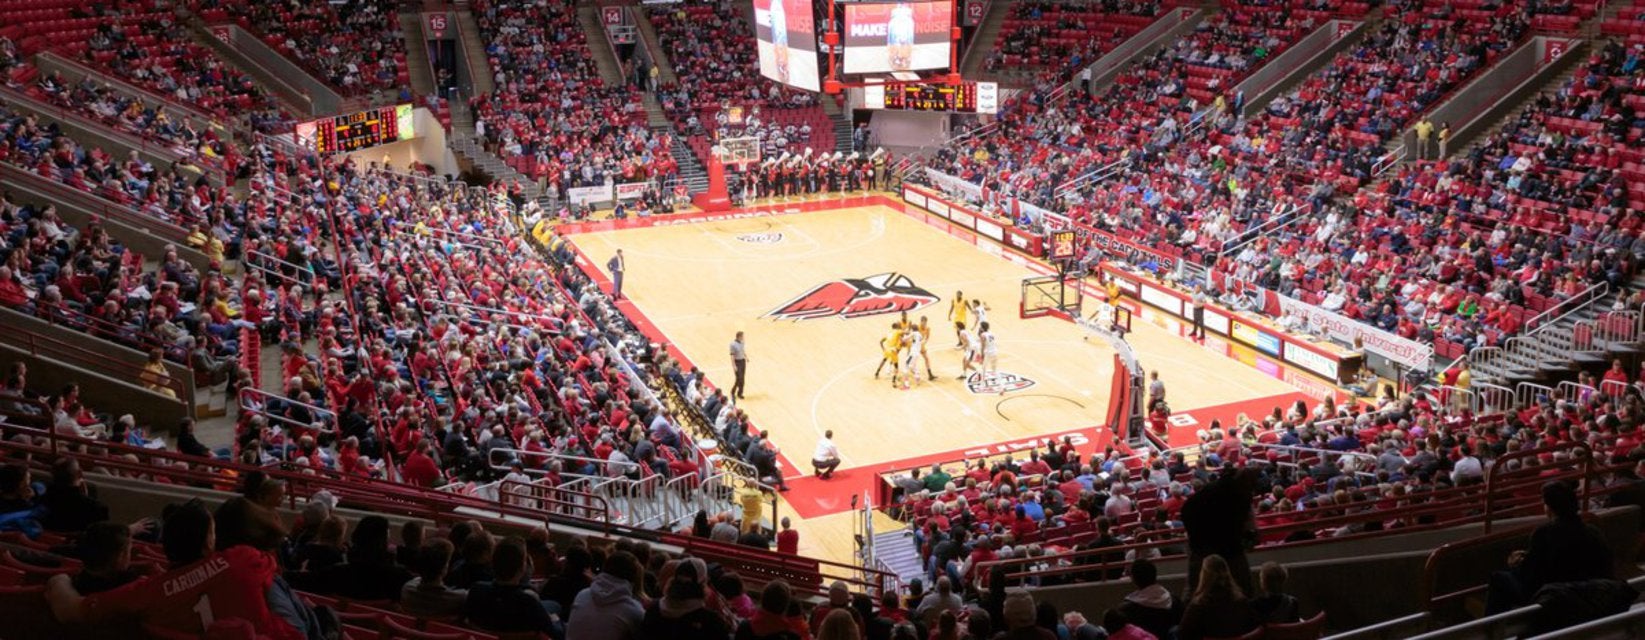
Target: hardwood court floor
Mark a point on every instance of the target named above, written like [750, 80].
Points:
[700, 283]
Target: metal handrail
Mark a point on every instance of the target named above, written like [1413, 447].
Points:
[106, 330]
[1609, 330]
[1629, 623]
[541, 458]
[113, 210]
[256, 401]
[1491, 398]
[562, 499]
[258, 260]
[1529, 393]
[44, 346]
[1558, 312]
[1388, 160]
[1498, 468]
[411, 230]
[127, 137]
[546, 319]
[1093, 175]
[1251, 235]
[1575, 391]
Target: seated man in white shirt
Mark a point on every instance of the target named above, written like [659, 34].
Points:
[1334, 300]
[826, 457]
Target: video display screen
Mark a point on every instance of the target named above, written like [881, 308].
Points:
[898, 36]
[786, 31]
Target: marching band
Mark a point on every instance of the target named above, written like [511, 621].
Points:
[794, 175]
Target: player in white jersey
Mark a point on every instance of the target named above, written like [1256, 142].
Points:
[970, 350]
[979, 314]
[990, 350]
[911, 357]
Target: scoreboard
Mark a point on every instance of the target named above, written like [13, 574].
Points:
[966, 97]
[356, 131]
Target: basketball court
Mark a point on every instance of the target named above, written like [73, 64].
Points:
[815, 286]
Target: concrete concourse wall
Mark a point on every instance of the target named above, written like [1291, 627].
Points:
[1361, 582]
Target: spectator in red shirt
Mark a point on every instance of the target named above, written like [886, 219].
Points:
[420, 469]
[1616, 373]
[788, 540]
[12, 293]
[205, 588]
[1035, 466]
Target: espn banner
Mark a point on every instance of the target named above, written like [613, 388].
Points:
[899, 36]
[631, 190]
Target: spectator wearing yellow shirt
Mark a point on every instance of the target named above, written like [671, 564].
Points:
[204, 240]
[1425, 132]
[155, 377]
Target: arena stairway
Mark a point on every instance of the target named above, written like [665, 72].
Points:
[653, 45]
[1553, 348]
[986, 36]
[422, 70]
[599, 45]
[474, 51]
[692, 171]
[842, 133]
[467, 146]
[899, 555]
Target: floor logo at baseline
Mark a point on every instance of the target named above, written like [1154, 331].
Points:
[996, 383]
[769, 237]
[856, 298]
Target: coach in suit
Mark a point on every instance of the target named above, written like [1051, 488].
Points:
[616, 265]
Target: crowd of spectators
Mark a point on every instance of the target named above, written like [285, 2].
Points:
[325, 571]
[141, 44]
[1463, 252]
[712, 51]
[473, 353]
[551, 116]
[1460, 254]
[1042, 143]
[352, 46]
[195, 142]
[1310, 464]
[1299, 474]
[1065, 37]
[1337, 121]
[154, 51]
[166, 193]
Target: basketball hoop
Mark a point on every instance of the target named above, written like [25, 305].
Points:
[740, 153]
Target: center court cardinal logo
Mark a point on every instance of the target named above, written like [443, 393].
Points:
[996, 383]
[856, 298]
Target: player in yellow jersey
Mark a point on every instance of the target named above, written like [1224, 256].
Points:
[958, 313]
[890, 345]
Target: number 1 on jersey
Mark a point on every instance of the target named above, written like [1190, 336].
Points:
[203, 607]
